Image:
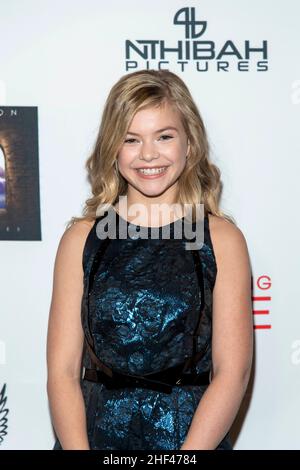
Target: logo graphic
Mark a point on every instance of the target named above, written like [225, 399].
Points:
[262, 303]
[195, 50]
[190, 22]
[3, 414]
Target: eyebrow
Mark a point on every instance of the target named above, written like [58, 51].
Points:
[158, 130]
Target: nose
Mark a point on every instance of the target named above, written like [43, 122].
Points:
[148, 151]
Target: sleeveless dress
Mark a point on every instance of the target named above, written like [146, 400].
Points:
[144, 306]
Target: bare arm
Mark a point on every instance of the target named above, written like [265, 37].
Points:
[232, 341]
[65, 341]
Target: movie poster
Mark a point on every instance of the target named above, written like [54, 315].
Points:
[19, 174]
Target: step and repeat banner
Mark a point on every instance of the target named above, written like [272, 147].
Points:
[58, 61]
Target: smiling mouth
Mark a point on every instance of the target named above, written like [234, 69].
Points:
[152, 171]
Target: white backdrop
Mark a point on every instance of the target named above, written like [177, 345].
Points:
[63, 57]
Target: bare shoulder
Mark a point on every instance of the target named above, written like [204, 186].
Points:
[227, 238]
[78, 229]
[73, 239]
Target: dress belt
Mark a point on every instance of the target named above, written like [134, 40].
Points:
[162, 381]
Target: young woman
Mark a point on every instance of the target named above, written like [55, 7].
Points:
[149, 343]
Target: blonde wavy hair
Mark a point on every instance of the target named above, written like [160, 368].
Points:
[200, 181]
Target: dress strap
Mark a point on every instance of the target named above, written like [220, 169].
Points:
[94, 248]
[191, 362]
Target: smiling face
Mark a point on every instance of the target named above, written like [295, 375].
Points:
[153, 154]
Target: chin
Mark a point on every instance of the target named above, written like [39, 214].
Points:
[152, 193]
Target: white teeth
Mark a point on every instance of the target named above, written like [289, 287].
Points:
[152, 171]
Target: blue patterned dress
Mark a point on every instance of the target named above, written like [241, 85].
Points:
[144, 306]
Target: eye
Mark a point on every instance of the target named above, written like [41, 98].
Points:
[164, 136]
[128, 141]
[167, 136]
